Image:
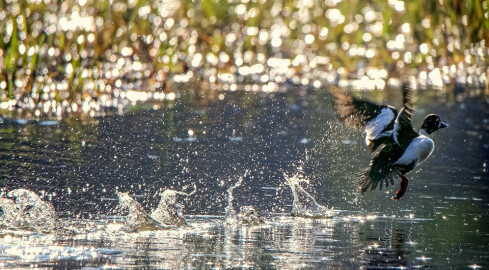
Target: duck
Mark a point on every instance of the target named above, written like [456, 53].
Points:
[401, 153]
[376, 120]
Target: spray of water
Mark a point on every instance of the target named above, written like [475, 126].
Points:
[305, 205]
[167, 215]
[26, 210]
[247, 215]
[137, 219]
[169, 211]
[231, 213]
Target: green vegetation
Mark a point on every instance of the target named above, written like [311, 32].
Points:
[54, 54]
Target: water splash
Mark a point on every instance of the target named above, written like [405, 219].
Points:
[27, 211]
[169, 211]
[305, 205]
[231, 213]
[247, 215]
[137, 219]
[167, 215]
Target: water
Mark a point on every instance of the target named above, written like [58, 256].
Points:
[27, 211]
[183, 168]
[304, 204]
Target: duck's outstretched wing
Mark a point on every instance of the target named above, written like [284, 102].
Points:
[376, 120]
[408, 97]
[404, 132]
[382, 171]
[366, 182]
[353, 112]
[380, 129]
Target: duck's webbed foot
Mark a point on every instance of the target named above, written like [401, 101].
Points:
[402, 189]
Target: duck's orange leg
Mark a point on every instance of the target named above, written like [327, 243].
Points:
[402, 189]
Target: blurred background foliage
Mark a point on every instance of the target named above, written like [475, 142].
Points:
[84, 55]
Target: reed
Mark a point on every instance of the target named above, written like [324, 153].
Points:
[58, 53]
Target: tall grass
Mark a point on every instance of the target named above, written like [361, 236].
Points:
[58, 53]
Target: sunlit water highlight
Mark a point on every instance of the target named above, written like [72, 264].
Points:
[213, 202]
[172, 242]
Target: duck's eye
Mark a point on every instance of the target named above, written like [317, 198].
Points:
[438, 122]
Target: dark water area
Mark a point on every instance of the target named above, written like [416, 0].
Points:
[201, 144]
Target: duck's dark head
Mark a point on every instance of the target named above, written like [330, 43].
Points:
[432, 123]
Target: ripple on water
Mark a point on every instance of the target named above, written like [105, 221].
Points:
[457, 198]
[236, 139]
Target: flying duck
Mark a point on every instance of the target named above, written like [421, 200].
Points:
[376, 120]
[405, 149]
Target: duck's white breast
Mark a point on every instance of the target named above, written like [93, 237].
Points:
[418, 150]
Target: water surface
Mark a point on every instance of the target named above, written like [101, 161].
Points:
[202, 144]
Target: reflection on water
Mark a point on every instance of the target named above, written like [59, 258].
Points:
[80, 165]
[283, 243]
[391, 251]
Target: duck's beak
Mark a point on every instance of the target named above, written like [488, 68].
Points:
[443, 125]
